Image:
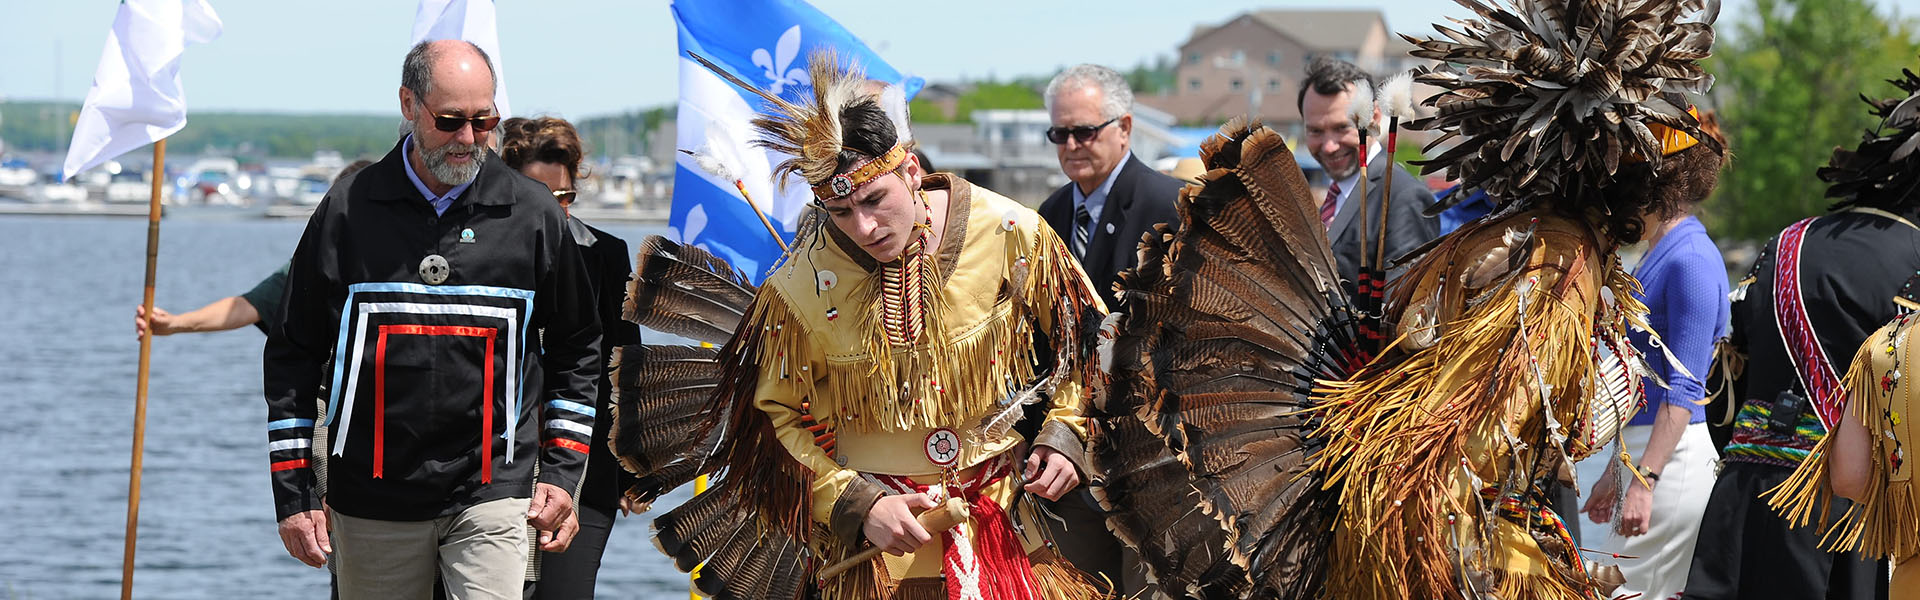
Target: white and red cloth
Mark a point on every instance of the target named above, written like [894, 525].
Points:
[988, 562]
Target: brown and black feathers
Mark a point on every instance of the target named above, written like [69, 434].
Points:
[745, 556]
[665, 417]
[686, 291]
[1546, 99]
[685, 411]
[1206, 428]
[1883, 171]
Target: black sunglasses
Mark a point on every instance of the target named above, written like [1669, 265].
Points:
[452, 123]
[565, 196]
[1082, 134]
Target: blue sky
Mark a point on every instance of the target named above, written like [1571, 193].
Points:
[578, 58]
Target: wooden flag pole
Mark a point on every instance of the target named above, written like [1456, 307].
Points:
[742, 186]
[146, 359]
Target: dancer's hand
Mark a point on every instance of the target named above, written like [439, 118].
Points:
[1049, 474]
[1599, 506]
[891, 525]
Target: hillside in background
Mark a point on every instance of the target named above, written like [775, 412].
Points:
[38, 126]
[48, 127]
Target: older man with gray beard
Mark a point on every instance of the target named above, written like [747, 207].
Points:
[440, 298]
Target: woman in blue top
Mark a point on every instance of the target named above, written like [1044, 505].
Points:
[1684, 283]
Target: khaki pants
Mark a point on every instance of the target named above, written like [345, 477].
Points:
[481, 553]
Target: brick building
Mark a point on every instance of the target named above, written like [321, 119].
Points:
[1262, 56]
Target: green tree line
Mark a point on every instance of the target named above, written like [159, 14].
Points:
[1149, 77]
[1791, 73]
[48, 127]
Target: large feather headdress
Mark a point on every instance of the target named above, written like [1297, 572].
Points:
[1548, 99]
[1884, 170]
[811, 132]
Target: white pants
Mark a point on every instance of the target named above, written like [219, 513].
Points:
[1665, 551]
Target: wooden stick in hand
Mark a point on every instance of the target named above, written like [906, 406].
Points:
[936, 520]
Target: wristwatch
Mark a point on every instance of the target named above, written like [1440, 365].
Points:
[1648, 474]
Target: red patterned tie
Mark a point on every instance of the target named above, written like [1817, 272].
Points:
[1330, 206]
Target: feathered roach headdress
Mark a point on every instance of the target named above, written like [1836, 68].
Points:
[1884, 170]
[1549, 99]
[814, 133]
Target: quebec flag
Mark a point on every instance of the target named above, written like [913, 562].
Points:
[765, 42]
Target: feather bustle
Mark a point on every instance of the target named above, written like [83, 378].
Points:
[1229, 318]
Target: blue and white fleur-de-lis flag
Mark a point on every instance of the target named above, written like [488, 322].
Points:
[765, 42]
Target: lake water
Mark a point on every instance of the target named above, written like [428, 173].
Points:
[68, 358]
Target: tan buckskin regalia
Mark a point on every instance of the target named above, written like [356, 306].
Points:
[843, 380]
[1319, 465]
[1886, 521]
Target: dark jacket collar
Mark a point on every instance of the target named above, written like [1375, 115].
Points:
[1120, 196]
[492, 187]
[582, 234]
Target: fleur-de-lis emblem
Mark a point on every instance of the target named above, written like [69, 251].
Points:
[777, 64]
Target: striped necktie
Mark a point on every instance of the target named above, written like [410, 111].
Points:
[1082, 230]
[1331, 206]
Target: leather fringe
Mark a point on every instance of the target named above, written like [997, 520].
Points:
[1410, 439]
[936, 379]
[782, 489]
[1059, 580]
[868, 581]
[1882, 523]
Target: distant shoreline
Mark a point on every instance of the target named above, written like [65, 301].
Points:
[94, 209]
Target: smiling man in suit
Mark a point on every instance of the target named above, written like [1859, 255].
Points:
[1332, 139]
[1111, 200]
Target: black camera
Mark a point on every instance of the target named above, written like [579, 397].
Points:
[1787, 408]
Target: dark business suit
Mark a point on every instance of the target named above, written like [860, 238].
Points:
[1139, 199]
[1407, 229]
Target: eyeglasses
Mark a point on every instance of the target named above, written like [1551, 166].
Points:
[452, 123]
[565, 196]
[1082, 134]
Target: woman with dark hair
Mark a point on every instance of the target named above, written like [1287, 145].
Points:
[1684, 286]
[548, 150]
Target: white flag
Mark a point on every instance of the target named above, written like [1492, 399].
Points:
[136, 98]
[469, 21]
